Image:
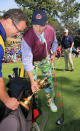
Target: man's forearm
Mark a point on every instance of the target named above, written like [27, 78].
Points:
[3, 93]
[34, 85]
[72, 45]
[31, 77]
[53, 56]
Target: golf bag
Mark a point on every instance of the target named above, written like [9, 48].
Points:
[20, 119]
[15, 121]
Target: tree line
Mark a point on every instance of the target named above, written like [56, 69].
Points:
[60, 13]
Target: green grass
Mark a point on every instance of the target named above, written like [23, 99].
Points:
[7, 69]
[69, 82]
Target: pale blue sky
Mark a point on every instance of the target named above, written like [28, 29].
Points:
[7, 4]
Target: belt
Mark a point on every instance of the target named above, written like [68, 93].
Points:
[67, 47]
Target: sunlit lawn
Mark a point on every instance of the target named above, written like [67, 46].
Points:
[69, 82]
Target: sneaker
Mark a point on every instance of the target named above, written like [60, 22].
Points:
[53, 107]
[72, 69]
[66, 69]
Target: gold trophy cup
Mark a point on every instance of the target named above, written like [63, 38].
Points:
[27, 101]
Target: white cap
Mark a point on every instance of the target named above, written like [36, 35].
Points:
[65, 30]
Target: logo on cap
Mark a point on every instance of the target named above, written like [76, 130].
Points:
[38, 16]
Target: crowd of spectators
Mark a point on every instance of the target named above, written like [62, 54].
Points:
[60, 52]
[76, 51]
[12, 54]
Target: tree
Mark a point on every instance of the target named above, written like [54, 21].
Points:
[50, 6]
[61, 13]
[69, 12]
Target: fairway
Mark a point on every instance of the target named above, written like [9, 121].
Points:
[69, 82]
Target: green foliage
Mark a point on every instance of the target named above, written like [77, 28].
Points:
[61, 14]
[50, 6]
[69, 11]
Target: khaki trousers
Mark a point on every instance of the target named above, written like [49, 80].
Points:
[68, 58]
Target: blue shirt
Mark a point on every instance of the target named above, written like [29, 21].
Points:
[74, 49]
[1, 57]
[11, 53]
[3, 34]
[67, 42]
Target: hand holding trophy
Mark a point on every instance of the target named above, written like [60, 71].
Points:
[26, 102]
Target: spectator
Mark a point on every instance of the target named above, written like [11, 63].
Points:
[67, 43]
[11, 55]
[74, 51]
[58, 52]
[12, 23]
[14, 57]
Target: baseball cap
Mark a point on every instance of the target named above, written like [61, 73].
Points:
[39, 18]
[65, 30]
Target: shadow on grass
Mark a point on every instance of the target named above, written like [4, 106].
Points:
[56, 69]
[62, 80]
[68, 86]
[68, 125]
[59, 69]
[73, 125]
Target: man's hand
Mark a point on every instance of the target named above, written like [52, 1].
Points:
[71, 49]
[12, 103]
[35, 87]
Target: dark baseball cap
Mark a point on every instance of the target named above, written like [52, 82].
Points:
[39, 17]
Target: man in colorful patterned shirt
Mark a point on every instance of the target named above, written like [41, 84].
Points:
[37, 43]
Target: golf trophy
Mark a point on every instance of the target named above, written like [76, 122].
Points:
[26, 102]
